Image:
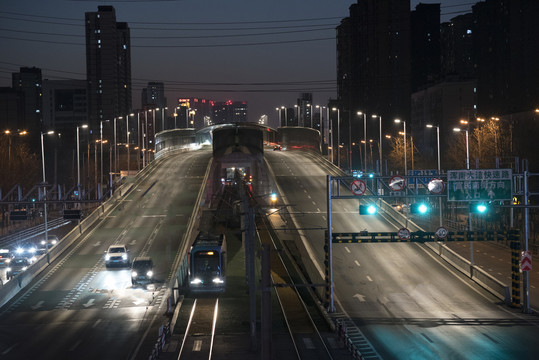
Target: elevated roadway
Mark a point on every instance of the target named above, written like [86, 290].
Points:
[404, 300]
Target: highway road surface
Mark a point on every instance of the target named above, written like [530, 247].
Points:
[407, 302]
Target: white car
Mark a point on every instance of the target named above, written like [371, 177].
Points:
[117, 255]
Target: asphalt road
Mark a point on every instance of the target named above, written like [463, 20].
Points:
[403, 298]
[78, 309]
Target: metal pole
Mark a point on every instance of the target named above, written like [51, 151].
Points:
[405, 160]
[365, 140]
[146, 137]
[101, 174]
[138, 140]
[381, 167]
[115, 150]
[78, 164]
[127, 133]
[45, 199]
[339, 138]
[329, 280]
[526, 274]
[163, 119]
[349, 141]
[439, 170]
[467, 152]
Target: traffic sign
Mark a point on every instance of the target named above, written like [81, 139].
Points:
[358, 187]
[526, 261]
[479, 185]
[403, 234]
[436, 186]
[397, 183]
[422, 177]
[441, 233]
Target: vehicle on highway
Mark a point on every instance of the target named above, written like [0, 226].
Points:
[117, 255]
[207, 262]
[142, 270]
[27, 251]
[16, 266]
[277, 148]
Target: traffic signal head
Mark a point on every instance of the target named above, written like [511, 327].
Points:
[371, 175]
[479, 208]
[370, 209]
[419, 208]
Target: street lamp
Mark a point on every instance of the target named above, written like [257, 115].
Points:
[127, 136]
[279, 114]
[405, 162]
[101, 137]
[338, 138]
[439, 167]
[380, 147]
[45, 191]
[364, 139]
[467, 147]
[78, 158]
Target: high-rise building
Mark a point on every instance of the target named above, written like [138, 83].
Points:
[304, 107]
[456, 37]
[229, 112]
[194, 113]
[108, 65]
[28, 82]
[425, 45]
[154, 94]
[373, 60]
[64, 105]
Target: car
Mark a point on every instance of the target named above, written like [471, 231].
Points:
[117, 255]
[16, 266]
[142, 270]
[277, 148]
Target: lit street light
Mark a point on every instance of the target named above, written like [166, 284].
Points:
[364, 139]
[45, 191]
[78, 159]
[338, 138]
[467, 147]
[405, 162]
[380, 147]
[439, 167]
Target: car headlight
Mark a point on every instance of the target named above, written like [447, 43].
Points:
[43, 242]
[19, 250]
[24, 268]
[107, 257]
[196, 281]
[217, 281]
[8, 269]
[134, 274]
[124, 256]
[54, 242]
[8, 261]
[149, 273]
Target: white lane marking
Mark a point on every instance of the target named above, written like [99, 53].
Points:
[369, 278]
[317, 210]
[152, 216]
[357, 263]
[197, 345]
[360, 297]
[96, 323]
[37, 306]
[324, 217]
[313, 203]
[9, 349]
[89, 303]
[75, 345]
[347, 249]
[308, 343]
[97, 244]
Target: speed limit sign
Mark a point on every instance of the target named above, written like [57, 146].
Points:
[404, 234]
[441, 233]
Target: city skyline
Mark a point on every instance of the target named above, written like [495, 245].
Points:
[204, 65]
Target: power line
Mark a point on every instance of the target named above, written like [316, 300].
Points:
[176, 37]
[180, 46]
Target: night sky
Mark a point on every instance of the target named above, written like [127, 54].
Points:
[285, 46]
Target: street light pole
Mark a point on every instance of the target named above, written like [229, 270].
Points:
[405, 160]
[101, 141]
[439, 166]
[45, 193]
[364, 139]
[138, 140]
[380, 145]
[78, 159]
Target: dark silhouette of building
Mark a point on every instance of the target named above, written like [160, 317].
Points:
[28, 83]
[108, 65]
[154, 94]
[229, 112]
[373, 65]
[456, 41]
[425, 42]
[303, 110]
